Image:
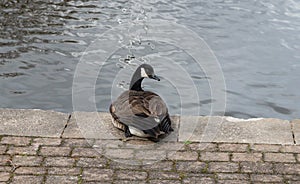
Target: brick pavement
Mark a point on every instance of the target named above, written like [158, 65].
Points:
[69, 160]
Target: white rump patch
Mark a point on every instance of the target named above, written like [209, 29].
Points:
[143, 73]
[137, 132]
[157, 120]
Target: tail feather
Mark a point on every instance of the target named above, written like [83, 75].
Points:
[154, 132]
[165, 125]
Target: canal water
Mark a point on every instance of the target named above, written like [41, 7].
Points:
[256, 43]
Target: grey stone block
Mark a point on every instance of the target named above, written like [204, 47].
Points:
[32, 122]
[234, 130]
[90, 125]
[98, 125]
[296, 129]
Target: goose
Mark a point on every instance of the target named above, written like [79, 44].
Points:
[141, 113]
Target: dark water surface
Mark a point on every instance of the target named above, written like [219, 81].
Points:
[257, 44]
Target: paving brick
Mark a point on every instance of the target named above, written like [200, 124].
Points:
[151, 154]
[77, 142]
[170, 146]
[130, 175]
[55, 151]
[120, 165]
[129, 182]
[214, 156]
[85, 152]
[4, 159]
[16, 141]
[96, 182]
[223, 167]
[290, 149]
[161, 165]
[265, 148]
[233, 147]
[47, 141]
[235, 176]
[266, 178]
[4, 176]
[279, 157]
[2, 149]
[5, 168]
[63, 170]
[163, 175]
[251, 157]
[233, 182]
[191, 166]
[30, 170]
[97, 174]
[204, 146]
[50, 179]
[164, 181]
[59, 161]
[256, 167]
[119, 153]
[32, 179]
[284, 168]
[182, 155]
[31, 150]
[295, 177]
[200, 180]
[27, 160]
[92, 162]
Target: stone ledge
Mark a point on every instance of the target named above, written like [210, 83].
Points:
[296, 130]
[97, 125]
[32, 122]
[234, 130]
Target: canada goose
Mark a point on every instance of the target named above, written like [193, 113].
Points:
[141, 113]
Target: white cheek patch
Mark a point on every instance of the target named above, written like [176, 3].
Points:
[143, 73]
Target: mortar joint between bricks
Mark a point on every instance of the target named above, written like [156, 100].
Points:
[199, 155]
[249, 148]
[148, 176]
[174, 166]
[6, 149]
[215, 177]
[71, 152]
[230, 156]
[38, 151]
[296, 158]
[263, 156]
[239, 167]
[114, 175]
[76, 159]
[80, 176]
[11, 175]
[46, 174]
[107, 164]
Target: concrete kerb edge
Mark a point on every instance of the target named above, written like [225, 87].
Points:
[60, 134]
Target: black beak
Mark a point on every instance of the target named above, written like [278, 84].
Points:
[154, 77]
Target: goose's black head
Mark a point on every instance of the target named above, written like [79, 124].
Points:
[143, 71]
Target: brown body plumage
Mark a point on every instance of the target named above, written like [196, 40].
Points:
[141, 113]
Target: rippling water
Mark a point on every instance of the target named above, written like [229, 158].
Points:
[256, 43]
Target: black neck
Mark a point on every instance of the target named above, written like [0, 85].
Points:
[136, 81]
[136, 84]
